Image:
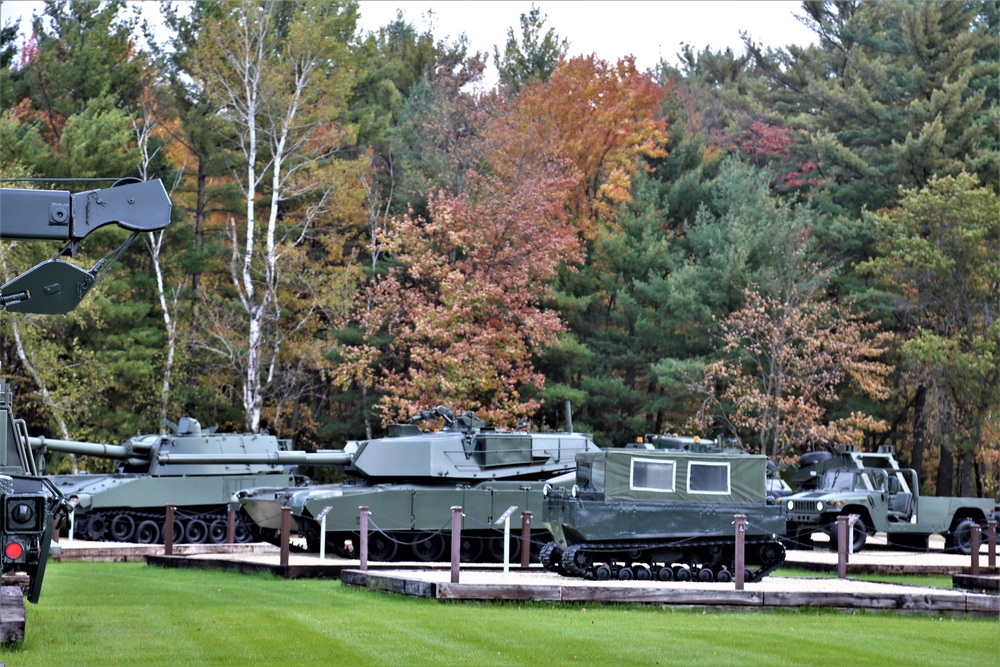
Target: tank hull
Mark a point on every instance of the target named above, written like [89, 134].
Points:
[131, 507]
[657, 540]
[405, 521]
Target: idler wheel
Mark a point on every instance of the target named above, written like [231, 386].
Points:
[123, 528]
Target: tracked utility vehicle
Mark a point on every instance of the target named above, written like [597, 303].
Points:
[663, 515]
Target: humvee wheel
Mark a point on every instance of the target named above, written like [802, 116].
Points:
[859, 535]
[961, 537]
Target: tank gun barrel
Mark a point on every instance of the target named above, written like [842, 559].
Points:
[84, 448]
[327, 458]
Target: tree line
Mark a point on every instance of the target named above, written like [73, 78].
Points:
[796, 247]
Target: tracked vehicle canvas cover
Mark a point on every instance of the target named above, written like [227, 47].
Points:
[666, 475]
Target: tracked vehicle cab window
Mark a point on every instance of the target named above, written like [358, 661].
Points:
[708, 477]
[653, 475]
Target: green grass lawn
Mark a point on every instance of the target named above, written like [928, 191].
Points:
[131, 614]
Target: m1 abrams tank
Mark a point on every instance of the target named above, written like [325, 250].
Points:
[411, 479]
[129, 505]
[665, 515]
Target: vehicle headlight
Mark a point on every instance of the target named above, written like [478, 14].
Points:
[576, 491]
[546, 489]
[791, 504]
[819, 507]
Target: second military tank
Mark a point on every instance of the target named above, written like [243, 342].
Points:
[411, 479]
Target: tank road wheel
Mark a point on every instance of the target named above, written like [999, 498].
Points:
[706, 574]
[961, 537]
[550, 557]
[97, 527]
[242, 533]
[178, 531]
[495, 546]
[123, 528]
[682, 574]
[381, 547]
[723, 576]
[217, 531]
[196, 531]
[626, 574]
[471, 548]
[665, 573]
[147, 532]
[428, 547]
[642, 573]
[602, 573]
[576, 561]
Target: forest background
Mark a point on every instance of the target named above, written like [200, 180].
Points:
[797, 247]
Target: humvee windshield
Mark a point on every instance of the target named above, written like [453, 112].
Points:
[852, 480]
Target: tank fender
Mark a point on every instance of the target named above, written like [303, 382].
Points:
[81, 501]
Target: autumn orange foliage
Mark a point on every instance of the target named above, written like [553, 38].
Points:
[605, 117]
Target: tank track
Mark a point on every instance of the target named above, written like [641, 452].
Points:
[701, 559]
[134, 526]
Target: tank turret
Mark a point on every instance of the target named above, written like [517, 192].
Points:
[412, 477]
